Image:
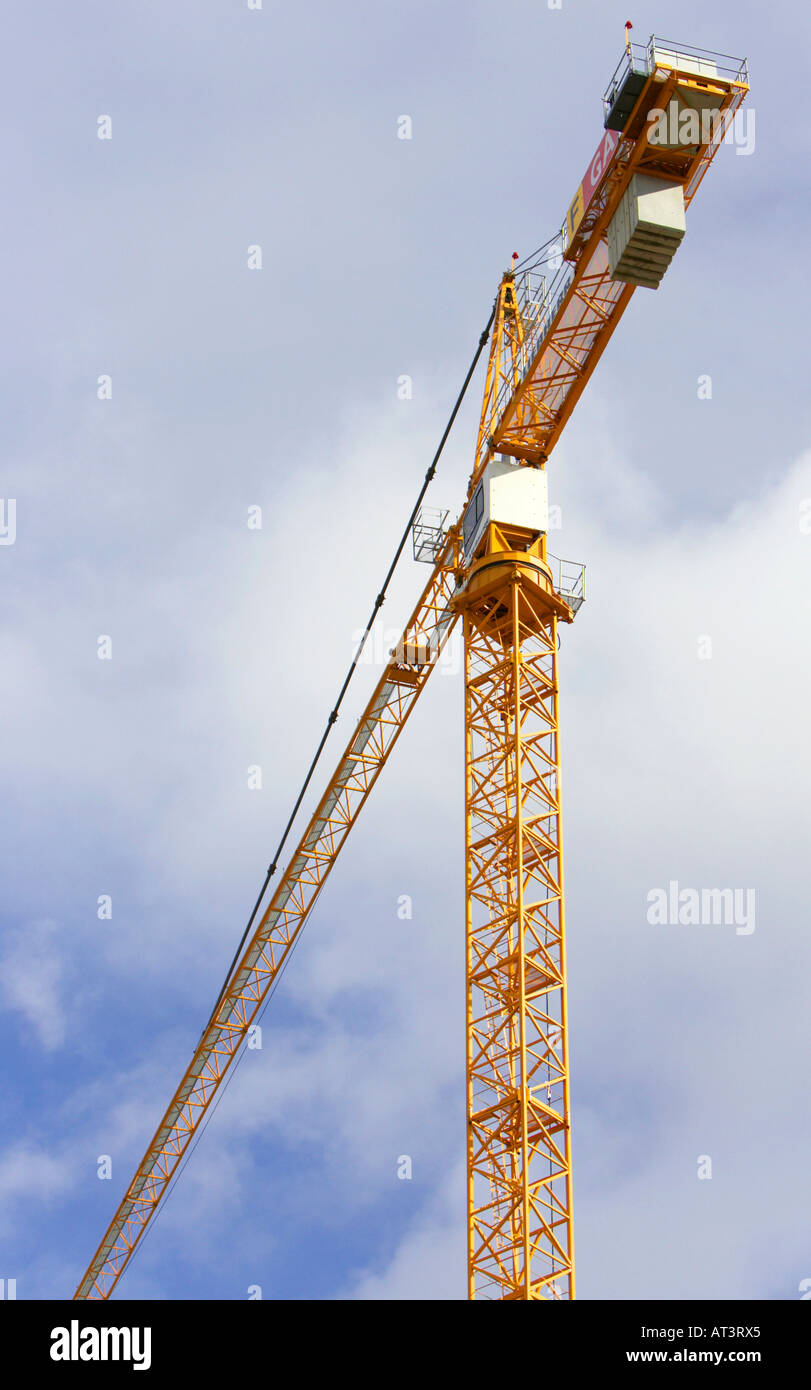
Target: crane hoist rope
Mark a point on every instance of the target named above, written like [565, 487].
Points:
[378, 603]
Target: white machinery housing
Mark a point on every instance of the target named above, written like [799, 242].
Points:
[509, 494]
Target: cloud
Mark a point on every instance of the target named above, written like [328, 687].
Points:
[28, 1172]
[128, 777]
[32, 979]
[429, 1262]
[32, 1181]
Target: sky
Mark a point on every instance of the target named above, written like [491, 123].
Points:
[685, 680]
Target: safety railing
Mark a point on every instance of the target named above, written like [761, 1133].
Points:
[428, 534]
[662, 53]
[569, 579]
[538, 301]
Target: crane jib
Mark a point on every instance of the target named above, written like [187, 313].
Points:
[590, 182]
[265, 955]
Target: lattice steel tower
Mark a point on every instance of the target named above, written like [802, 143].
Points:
[553, 317]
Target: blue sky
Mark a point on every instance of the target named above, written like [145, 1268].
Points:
[232, 388]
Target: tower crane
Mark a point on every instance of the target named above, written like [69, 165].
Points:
[666, 112]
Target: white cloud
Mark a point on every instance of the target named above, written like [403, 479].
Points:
[32, 975]
[31, 1180]
[429, 1262]
[28, 1172]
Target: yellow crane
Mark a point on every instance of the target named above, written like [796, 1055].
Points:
[666, 111]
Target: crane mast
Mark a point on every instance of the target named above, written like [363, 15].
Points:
[519, 1179]
[520, 1240]
[546, 342]
[491, 569]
